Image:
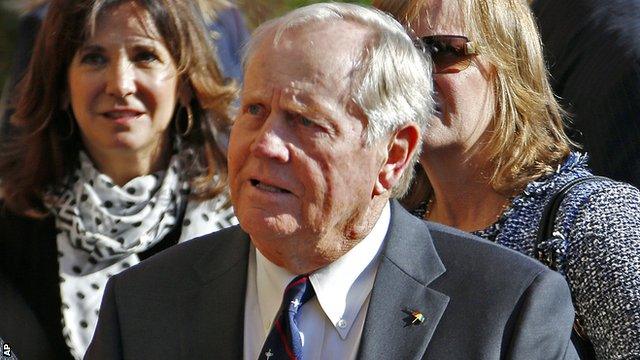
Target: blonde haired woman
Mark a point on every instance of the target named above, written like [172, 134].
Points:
[496, 155]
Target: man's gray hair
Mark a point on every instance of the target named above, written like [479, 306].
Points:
[392, 82]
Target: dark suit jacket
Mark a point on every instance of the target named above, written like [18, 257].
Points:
[480, 301]
[593, 51]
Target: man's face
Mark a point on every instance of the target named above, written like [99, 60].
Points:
[302, 179]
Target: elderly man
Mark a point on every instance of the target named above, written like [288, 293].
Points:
[324, 265]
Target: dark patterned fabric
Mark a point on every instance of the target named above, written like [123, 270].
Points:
[596, 248]
[284, 340]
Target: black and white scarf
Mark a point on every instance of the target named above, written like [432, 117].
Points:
[101, 227]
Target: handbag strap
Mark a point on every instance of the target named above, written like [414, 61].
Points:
[545, 229]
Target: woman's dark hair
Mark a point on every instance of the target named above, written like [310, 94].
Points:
[43, 148]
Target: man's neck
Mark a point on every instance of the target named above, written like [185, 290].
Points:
[334, 243]
[336, 277]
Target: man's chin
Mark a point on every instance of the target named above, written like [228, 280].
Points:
[260, 225]
[290, 253]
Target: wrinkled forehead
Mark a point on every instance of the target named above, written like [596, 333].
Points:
[324, 53]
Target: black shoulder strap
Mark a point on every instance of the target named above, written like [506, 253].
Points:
[580, 341]
[545, 229]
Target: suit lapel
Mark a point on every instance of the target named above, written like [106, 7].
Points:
[408, 264]
[211, 315]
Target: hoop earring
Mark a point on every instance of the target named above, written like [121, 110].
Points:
[187, 130]
[71, 121]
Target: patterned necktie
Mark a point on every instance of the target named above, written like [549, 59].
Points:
[283, 341]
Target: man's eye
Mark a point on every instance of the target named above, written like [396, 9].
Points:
[254, 109]
[297, 119]
[306, 121]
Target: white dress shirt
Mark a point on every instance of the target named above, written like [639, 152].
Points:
[331, 322]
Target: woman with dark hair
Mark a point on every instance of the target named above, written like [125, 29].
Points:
[497, 154]
[115, 156]
[223, 18]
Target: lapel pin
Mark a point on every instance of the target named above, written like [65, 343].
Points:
[268, 354]
[415, 317]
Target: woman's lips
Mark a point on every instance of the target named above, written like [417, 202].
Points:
[122, 117]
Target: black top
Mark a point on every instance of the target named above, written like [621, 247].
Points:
[30, 266]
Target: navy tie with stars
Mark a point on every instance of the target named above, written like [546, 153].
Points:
[283, 341]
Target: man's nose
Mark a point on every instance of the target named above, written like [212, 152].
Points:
[271, 140]
[121, 80]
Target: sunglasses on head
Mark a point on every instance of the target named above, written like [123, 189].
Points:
[449, 53]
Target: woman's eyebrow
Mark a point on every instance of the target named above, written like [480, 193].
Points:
[90, 48]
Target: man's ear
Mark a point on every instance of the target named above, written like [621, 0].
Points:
[400, 149]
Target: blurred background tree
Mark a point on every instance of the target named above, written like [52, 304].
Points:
[256, 11]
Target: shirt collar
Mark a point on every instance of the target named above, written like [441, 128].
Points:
[341, 287]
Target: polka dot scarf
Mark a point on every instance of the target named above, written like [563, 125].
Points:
[101, 227]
